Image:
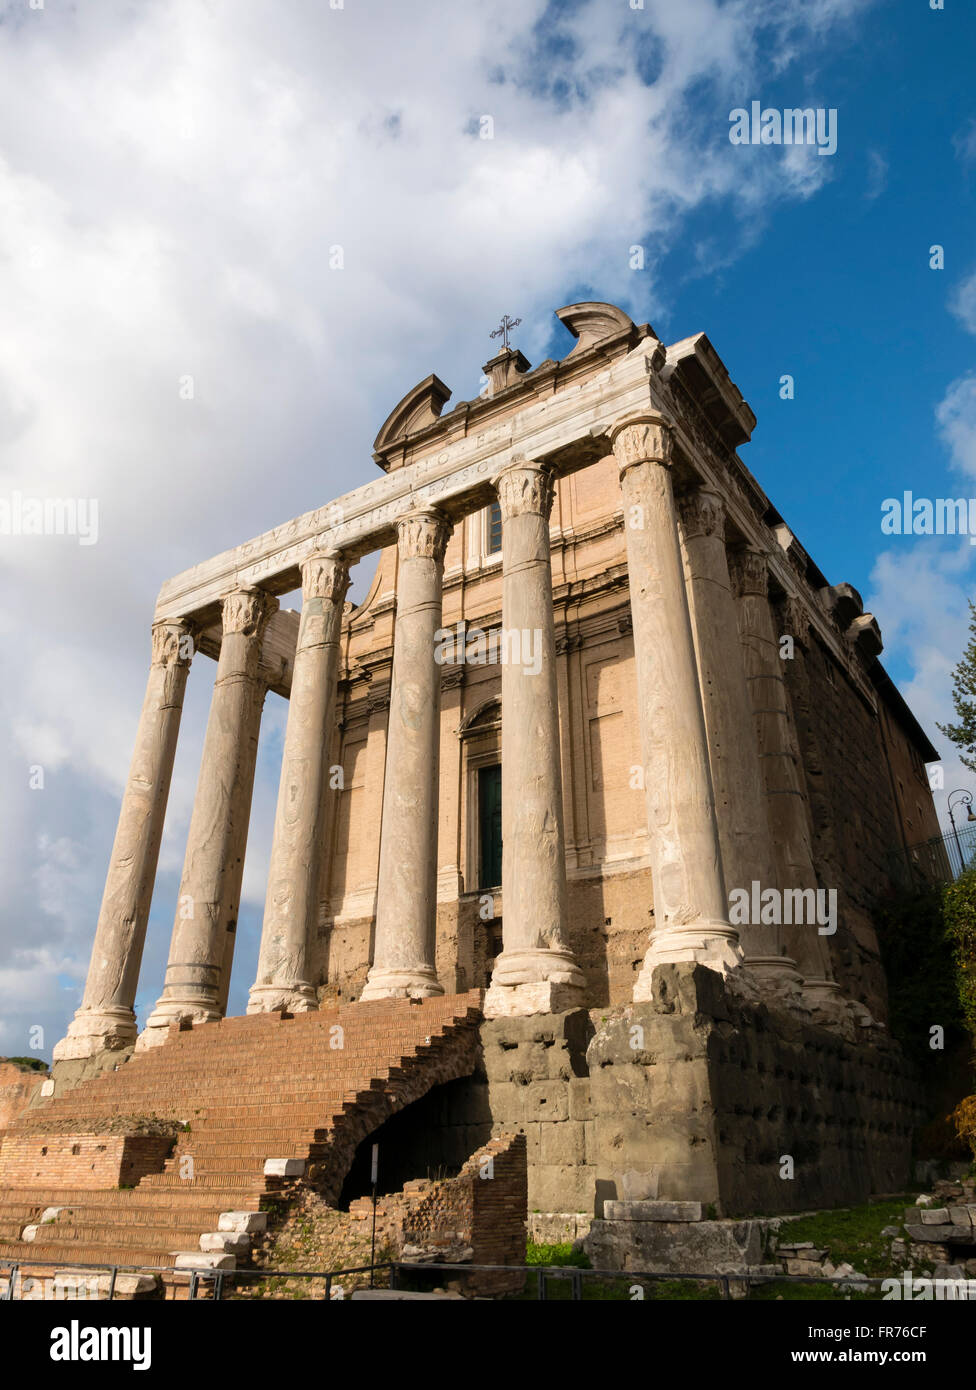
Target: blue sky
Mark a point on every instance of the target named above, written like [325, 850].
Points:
[173, 178]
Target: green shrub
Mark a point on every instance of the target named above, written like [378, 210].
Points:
[959, 910]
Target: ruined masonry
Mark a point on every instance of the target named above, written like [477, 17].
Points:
[597, 693]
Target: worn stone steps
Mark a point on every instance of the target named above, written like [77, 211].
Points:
[250, 1089]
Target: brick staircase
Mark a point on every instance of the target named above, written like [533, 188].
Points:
[251, 1089]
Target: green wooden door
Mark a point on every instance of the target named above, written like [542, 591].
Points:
[490, 826]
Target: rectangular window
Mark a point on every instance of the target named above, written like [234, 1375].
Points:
[494, 539]
[490, 826]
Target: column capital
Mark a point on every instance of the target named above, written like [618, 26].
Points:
[795, 617]
[702, 511]
[247, 610]
[325, 575]
[524, 486]
[172, 642]
[423, 535]
[645, 438]
[749, 569]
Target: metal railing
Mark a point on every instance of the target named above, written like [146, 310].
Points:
[213, 1285]
[938, 860]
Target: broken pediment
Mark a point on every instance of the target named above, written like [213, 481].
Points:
[593, 321]
[419, 408]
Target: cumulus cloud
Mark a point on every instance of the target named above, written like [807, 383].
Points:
[175, 179]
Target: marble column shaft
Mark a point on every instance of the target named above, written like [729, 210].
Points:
[737, 780]
[299, 846]
[106, 1019]
[536, 971]
[690, 905]
[780, 759]
[406, 897]
[213, 866]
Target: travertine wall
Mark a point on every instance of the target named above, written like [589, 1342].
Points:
[697, 1095]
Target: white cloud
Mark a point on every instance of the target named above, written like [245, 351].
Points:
[172, 177]
[963, 303]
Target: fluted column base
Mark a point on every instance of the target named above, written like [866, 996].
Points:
[96, 1030]
[712, 943]
[402, 984]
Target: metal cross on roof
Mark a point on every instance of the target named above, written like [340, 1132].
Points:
[502, 330]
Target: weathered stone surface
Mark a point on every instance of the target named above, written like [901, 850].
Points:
[106, 1019]
[936, 1234]
[201, 1259]
[404, 952]
[248, 1222]
[228, 1242]
[698, 1247]
[536, 971]
[204, 928]
[690, 906]
[284, 1167]
[302, 818]
[935, 1216]
[652, 1211]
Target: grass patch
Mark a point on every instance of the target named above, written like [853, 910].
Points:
[852, 1235]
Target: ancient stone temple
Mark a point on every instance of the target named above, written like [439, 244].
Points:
[603, 768]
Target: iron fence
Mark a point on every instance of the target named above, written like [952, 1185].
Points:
[215, 1285]
[938, 860]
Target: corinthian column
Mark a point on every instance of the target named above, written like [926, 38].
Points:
[690, 908]
[536, 971]
[299, 844]
[106, 1020]
[783, 777]
[406, 895]
[740, 797]
[214, 862]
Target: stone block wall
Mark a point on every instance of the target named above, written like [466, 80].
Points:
[856, 825]
[699, 1095]
[81, 1160]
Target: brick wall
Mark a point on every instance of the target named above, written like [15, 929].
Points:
[81, 1160]
[479, 1217]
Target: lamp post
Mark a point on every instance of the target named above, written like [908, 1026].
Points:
[964, 799]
